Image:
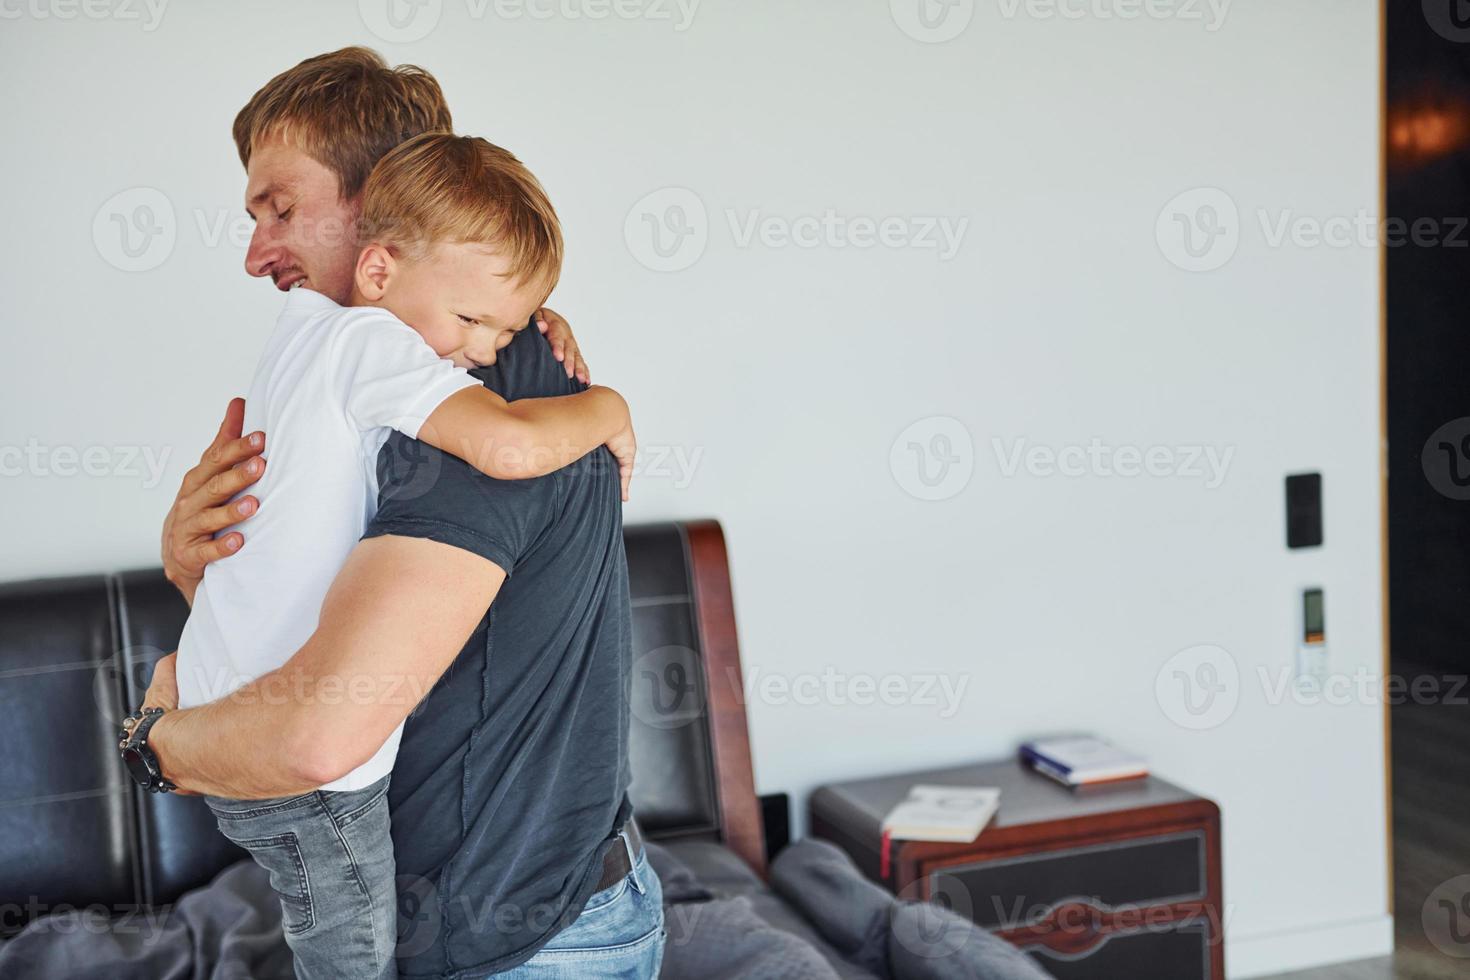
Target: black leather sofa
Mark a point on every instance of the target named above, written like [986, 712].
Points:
[76, 653]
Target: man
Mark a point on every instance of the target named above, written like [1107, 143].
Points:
[510, 819]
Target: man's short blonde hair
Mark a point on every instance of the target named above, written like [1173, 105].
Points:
[344, 109]
[444, 189]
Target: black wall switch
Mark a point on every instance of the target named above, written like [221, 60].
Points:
[1304, 510]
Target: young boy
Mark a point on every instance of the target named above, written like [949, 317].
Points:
[460, 248]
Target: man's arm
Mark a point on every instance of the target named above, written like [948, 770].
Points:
[230, 464]
[396, 617]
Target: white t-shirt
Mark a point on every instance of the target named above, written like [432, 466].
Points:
[331, 383]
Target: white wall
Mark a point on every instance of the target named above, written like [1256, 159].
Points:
[1057, 600]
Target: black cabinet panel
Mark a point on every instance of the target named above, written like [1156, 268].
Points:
[1010, 892]
[1181, 953]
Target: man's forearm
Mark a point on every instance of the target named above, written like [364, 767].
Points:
[244, 746]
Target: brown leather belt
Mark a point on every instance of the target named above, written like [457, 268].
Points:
[620, 857]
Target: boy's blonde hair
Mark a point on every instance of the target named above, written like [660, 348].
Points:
[444, 189]
[344, 109]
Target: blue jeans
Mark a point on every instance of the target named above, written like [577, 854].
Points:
[618, 936]
[330, 860]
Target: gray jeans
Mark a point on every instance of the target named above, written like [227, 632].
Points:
[330, 860]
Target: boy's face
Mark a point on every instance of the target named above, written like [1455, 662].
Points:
[305, 234]
[460, 298]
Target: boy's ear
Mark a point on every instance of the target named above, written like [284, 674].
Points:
[375, 266]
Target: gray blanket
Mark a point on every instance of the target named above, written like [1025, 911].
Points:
[228, 930]
[900, 940]
[820, 919]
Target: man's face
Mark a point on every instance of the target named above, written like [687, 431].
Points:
[305, 234]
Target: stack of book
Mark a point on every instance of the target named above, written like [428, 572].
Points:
[1082, 760]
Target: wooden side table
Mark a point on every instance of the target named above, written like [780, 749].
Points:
[1119, 880]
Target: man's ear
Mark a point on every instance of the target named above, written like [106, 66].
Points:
[375, 267]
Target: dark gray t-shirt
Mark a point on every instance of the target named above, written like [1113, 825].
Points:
[512, 774]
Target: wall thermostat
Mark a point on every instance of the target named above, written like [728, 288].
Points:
[1311, 652]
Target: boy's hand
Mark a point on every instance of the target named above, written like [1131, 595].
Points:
[163, 690]
[624, 446]
[202, 507]
[563, 345]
